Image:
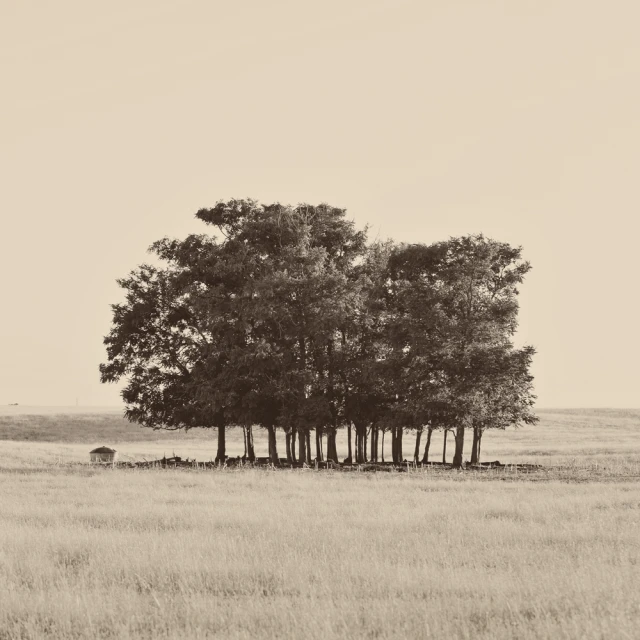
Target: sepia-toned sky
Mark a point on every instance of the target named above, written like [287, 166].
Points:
[425, 119]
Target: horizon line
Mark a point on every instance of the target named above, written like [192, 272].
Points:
[111, 406]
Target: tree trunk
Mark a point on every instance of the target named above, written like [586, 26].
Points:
[244, 435]
[349, 448]
[363, 443]
[221, 456]
[361, 430]
[332, 449]
[444, 447]
[425, 458]
[307, 435]
[302, 448]
[374, 444]
[396, 444]
[288, 445]
[416, 451]
[294, 433]
[251, 452]
[273, 445]
[399, 434]
[474, 446]
[377, 444]
[382, 448]
[479, 444]
[319, 444]
[457, 456]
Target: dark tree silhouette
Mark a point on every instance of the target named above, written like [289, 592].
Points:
[286, 319]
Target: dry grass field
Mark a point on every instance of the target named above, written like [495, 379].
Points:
[89, 552]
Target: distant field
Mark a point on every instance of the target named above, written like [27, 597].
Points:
[562, 434]
[39, 410]
[90, 552]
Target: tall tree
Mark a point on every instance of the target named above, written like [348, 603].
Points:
[286, 319]
[241, 326]
[306, 291]
[455, 303]
[169, 341]
[505, 397]
[363, 354]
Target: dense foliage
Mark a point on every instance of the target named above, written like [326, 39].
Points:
[286, 318]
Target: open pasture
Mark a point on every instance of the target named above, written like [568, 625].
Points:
[90, 552]
[563, 436]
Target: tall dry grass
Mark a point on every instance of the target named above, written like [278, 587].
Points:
[110, 553]
[250, 554]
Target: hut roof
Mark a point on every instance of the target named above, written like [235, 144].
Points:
[103, 450]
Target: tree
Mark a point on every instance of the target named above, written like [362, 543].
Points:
[363, 352]
[506, 396]
[284, 318]
[168, 350]
[251, 338]
[455, 304]
[305, 293]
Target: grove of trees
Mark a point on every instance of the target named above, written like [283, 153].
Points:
[288, 319]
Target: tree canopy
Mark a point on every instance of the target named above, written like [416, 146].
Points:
[288, 319]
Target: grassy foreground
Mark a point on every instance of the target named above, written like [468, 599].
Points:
[98, 553]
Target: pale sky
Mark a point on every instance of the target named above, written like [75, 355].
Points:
[424, 118]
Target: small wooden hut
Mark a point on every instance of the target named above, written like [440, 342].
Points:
[103, 454]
